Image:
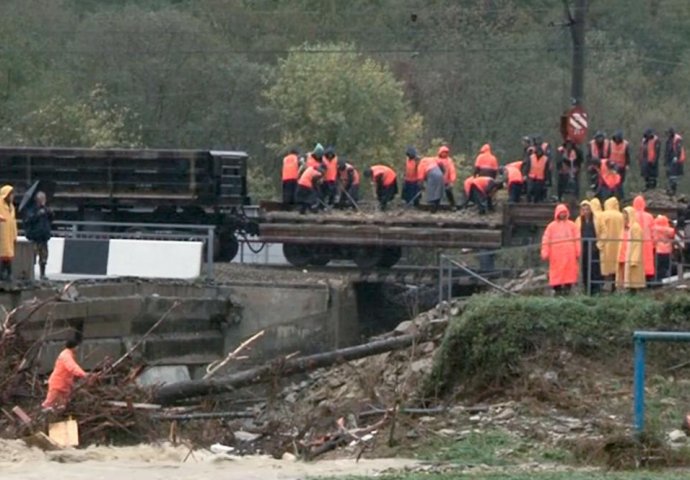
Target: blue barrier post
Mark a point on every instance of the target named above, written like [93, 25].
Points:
[640, 339]
[638, 408]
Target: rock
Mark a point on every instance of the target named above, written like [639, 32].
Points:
[457, 410]
[481, 408]
[475, 418]
[426, 419]
[288, 457]
[427, 347]
[242, 436]
[550, 376]
[219, 448]
[505, 414]
[335, 381]
[677, 436]
[447, 432]
[423, 365]
[412, 434]
[406, 328]
[291, 397]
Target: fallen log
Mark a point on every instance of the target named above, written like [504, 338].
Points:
[174, 392]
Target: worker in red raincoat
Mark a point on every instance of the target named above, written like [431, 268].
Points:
[61, 381]
[560, 246]
[646, 222]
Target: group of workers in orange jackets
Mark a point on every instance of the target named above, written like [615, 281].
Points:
[627, 249]
[322, 180]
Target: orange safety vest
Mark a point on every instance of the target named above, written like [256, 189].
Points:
[537, 167]
[307, 178]
[411, 170]
[386, 174]
[617, 152]
[609, 177]
[290, 167]
[313, 162]
[514, 170]
[344, 174]
[648, 149]
[596, 152]
[676, 140]
[331, 168]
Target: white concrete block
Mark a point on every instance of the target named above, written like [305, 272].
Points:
[154, 258]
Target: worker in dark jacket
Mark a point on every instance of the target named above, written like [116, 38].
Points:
[348, 183]
[649, 158]
[38, 226]
[568, 165]
[410, 190]
[385, 183]
[675, 159]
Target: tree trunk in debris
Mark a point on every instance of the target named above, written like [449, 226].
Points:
[196, 388]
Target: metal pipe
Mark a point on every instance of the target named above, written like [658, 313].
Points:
[482, 279]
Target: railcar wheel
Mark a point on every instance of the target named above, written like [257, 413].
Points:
[367, 258]
[225, 247]
[298, 255]
[390, 256]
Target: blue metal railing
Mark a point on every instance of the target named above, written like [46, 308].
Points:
[640, 339]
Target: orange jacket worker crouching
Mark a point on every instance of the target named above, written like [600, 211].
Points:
[560, 246]
[61, 381]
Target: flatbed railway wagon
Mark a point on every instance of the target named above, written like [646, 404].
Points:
[139, 185]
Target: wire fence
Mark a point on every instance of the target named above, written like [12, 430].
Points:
[521, 270]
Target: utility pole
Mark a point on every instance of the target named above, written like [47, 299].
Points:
[576, 22]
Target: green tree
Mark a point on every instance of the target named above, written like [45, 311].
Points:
[332, 94]
[90, 122]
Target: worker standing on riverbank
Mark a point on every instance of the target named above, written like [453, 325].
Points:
[560, 246]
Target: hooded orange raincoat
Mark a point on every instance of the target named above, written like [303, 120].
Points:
[646, 222]
[560, 246]
[60, 383]
[450, 174]
[630, 272]
[610, 235]
[486, 160]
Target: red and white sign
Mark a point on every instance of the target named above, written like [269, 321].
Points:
[576, 128]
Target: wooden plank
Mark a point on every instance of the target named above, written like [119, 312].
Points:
[64, 434]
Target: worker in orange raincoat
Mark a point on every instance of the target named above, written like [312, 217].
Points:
[664, 235]
[486, 164]
[514, 180]
[61, 381]
[560, 246]
[449, 173]
[646, 222]
[8, 232]
[630, 272]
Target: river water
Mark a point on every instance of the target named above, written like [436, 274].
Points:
[148, 462]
